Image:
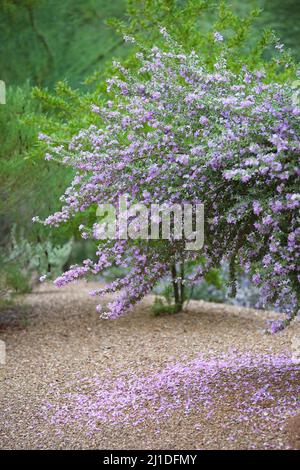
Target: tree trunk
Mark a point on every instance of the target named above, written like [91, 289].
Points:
[177, 292]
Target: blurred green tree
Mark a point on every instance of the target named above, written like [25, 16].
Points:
[44, 41]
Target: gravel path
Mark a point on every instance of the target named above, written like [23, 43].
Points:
[207, 378]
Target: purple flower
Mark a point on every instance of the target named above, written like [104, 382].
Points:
[218, 37]
[275, 326]
[257, 208]
[203, 120]
[256, 278]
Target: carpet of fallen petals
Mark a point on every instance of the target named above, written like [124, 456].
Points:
[206, 378]
[250, 384]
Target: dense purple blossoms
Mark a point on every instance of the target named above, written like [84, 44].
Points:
[177, 132]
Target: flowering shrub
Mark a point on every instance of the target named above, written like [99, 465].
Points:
[176, 131]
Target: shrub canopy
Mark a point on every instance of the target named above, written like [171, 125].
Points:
[177, 130]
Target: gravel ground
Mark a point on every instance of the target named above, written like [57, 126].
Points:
[206, 378]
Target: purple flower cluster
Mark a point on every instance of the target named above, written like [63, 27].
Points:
[177, 131]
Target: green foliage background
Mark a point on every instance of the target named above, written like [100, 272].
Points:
[46, 40]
